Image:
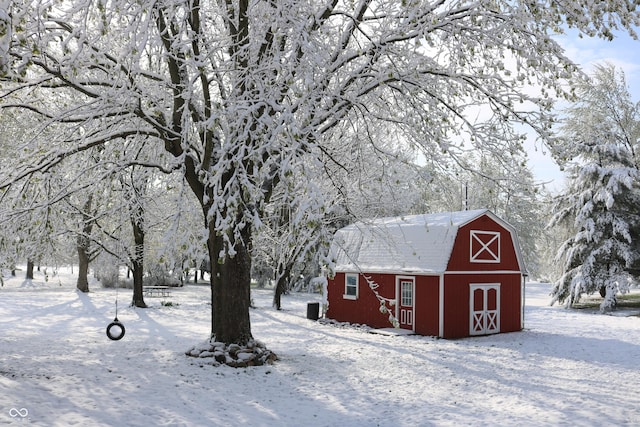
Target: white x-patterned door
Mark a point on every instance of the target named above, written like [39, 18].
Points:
[484, 303]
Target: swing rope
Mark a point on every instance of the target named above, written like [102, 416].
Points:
[116, 318]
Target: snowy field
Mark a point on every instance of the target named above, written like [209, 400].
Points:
[58, 368]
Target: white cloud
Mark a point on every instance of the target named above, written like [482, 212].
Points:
[622, 51]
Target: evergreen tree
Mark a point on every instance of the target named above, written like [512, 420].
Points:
[599, 144]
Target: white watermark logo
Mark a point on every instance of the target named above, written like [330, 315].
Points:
[19, 413]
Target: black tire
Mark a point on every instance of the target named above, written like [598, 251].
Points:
[117, 323]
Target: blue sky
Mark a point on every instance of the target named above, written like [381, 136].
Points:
[623, 52]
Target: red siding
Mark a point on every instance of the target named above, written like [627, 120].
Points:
[364, 310]
[456, 306]
[456, 302]
[427, 302]
[510, 302]
[461, 253]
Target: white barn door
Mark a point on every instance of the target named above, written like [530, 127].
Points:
[484, 304]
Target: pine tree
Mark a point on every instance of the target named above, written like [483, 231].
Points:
[600, 139]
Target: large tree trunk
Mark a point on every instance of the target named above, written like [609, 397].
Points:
[83, 264]
[281, 285]
[138, 296]
[82, 245]
[136, 213]
[137, 265]
[29, 274]
[231, 298]
[230, 291]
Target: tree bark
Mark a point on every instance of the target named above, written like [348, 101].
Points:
[277, 294]
[137, 265]
[137, 261]
[138, 276]
[82, 246]
[83, 264]
[230, 291]
[29, 274]
[281, 285]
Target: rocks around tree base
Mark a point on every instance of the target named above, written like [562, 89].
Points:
[218, 353]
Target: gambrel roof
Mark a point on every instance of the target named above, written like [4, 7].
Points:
[413, 244]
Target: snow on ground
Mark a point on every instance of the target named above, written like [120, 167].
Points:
[58, 368]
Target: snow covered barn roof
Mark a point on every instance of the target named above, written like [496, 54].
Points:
[416, 243]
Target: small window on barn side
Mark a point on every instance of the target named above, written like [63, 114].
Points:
[406, 293]
[351, 286]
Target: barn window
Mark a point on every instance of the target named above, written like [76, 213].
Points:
[351, 286]
[485, 246]
[406, 292]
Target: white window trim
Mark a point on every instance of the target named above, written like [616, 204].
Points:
[346, 280]
[485, 247]
[408, 282]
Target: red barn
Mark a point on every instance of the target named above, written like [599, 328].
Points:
[449, 275]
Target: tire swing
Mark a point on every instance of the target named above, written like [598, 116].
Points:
[115, 337]
[119, 331]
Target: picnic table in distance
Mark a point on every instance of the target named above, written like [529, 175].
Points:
[156, 291]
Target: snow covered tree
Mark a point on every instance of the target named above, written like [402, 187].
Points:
[371, 173]
[132, 202]
[505, 185]
[81, 210]
[26, 222]
[134, 189]
[241, 91]
[601, 137]
[508, 188]
[83, 245]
